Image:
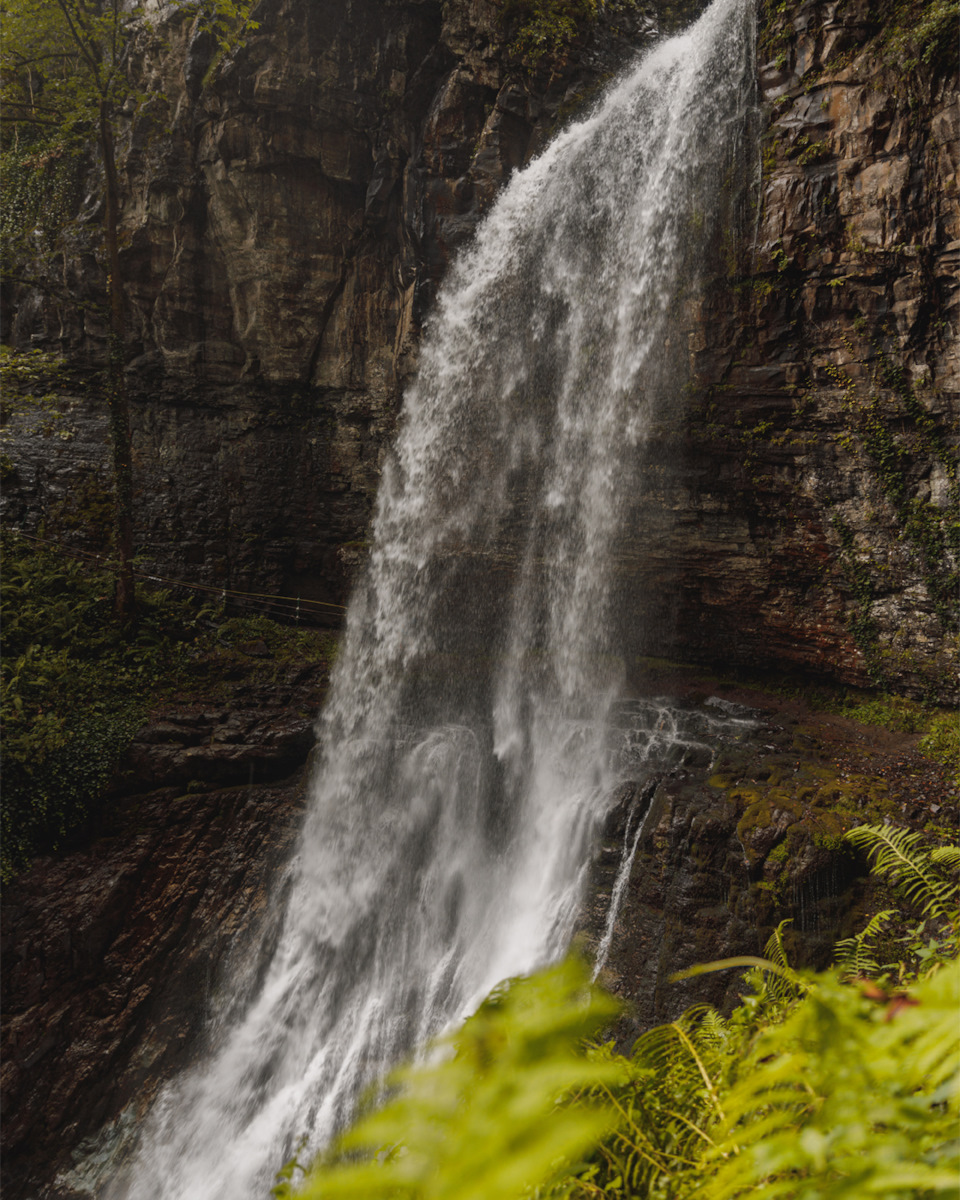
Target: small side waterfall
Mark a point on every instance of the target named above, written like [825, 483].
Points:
[467, 756]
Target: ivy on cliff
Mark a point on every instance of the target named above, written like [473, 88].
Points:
[891, 431]
[543, 35]
[544, 32]
[909, 36]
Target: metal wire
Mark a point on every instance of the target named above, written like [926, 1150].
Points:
[292, 605]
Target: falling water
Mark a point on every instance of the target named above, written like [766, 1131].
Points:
[467, 757]
[636, 822]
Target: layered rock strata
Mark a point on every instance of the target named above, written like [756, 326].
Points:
[286, 224]
[114, 955]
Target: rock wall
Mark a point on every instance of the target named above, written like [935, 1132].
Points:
[732, 846]
[286, 225]
[814, 492]
[114, 955]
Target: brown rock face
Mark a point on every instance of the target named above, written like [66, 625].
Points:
[746, 832]
[114, 955]
[286, 226]
[805, 514]
[110, 960]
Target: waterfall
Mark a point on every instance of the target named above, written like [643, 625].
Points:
[467, 757]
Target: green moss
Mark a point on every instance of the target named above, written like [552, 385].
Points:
[812, 771]
[73, 690]
[941, 743]
[890, 712]
[778, 855]
[921, 34]
[744, 797]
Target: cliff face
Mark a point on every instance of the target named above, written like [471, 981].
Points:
[285, 228]
[815, 504]
[114, 954]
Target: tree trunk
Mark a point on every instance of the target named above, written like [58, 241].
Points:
[124, 603]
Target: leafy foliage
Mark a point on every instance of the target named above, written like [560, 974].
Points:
[482, 1119]
[73, 690]
[941, 742]
[811, 1088]
[899, 855]
[62, 60]
[854, 956]
[544, 31]
[922, 34]
[845, 1099]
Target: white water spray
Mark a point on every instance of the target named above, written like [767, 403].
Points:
[467, 755]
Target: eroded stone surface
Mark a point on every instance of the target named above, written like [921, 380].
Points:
[286, 227]
[114, 955]
[729, 852]
[111, 956]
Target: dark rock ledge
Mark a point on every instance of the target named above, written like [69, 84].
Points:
[112, 953]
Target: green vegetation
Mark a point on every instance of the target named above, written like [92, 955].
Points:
[73, 691]
[921, 34]
[28, 383]
[543, 32]
[66, 86]
[941, 742]
[892, 427]
[813, 1087]
[542, 35]
[911, 36]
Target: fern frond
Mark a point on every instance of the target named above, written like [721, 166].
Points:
[900, 855]
[742, 960]
[947, 857]
[853, 955]
[713, 1030]
[775, 949]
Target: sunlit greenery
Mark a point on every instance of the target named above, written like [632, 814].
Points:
[830, 1086]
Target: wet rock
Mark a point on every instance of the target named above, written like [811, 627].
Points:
[726, 855]
[112, 957]
[286, 235]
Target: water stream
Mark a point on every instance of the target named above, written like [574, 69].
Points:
[474, 734]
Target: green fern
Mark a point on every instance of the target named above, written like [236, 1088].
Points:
[947, 857]
[853, 956]
[900, 855]
[812, 1089]
[771, 979]
[483, 1119]
[846, 1099]
[669, 1096]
